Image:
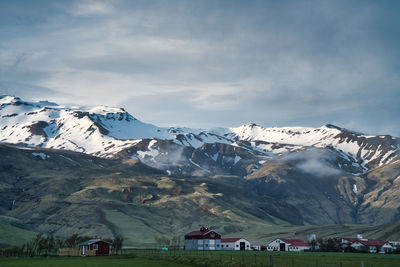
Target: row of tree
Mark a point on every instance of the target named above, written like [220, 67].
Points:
[42, 245]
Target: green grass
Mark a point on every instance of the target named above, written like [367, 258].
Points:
[88, 262]
[278, 259]
[123, 225]
[149, 258]
[13, 235]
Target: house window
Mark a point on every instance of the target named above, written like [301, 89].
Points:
[237, 246]
[247, 245]
[217, 246]
[212, 235]
[206, 245]
[227, 246]
[95, 247]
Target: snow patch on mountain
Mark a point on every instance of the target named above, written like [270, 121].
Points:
[41, 155]
[355, 189]
[106, 131]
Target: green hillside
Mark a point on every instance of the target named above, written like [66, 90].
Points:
[61, 193]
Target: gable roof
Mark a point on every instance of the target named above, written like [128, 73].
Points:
[370, 242]
[197, 233]
[230, 239]
[295, 242]
[91, 241]
[202, 232]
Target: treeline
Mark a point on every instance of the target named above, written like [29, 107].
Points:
[42, 245]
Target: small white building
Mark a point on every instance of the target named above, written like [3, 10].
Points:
[368, 245]
[235, 243]
[395, 245]
[387, 248]
[288, 244]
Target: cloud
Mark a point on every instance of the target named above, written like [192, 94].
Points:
[28, 91]
[313, 161]
[91, 7]
[286, 63]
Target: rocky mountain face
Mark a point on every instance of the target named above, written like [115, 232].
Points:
[112, 132]
[295, 175]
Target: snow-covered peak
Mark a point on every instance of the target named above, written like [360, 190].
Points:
[106, 131]
[7, 99]
[306, 136]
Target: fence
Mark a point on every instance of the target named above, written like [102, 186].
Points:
[255, 258]
[73, 252]
[69, 252]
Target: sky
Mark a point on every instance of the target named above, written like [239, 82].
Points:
[210, 63]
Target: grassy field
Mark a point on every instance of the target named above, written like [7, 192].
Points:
[13, 235]
[88, 262]
[225, 258]
[277, 259]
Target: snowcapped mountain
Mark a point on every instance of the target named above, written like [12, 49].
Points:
[297, 175]
[112, 132]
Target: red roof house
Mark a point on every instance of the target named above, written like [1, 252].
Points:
[204, 239]
[204, 233]
[99, 246]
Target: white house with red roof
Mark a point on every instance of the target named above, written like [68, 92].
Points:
[365, 244]
[288, 244]
[346, 242]
[387, 248]
[368, 245]
[204, 239]
[235, 243]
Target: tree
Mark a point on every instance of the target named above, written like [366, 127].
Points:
[72, 241]
[30, 248]
[328, 245]
[117, 243]
[175, 242]
[313, 244]
[162, 241]
[42, 245]
[59, 243]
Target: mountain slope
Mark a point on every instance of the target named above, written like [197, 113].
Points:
[62, 192]
[106, 132]
[81, 163]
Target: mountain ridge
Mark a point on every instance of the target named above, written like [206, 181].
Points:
[105, 132]
[60, 166]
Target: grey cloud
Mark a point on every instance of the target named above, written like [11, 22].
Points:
[27, 91]
[218, 62]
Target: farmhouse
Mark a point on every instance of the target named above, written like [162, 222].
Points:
[387, 248]
[288, 244]
[346, 242]
[367, 245]
[204, 239]
[235, 243]
[99, 247]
